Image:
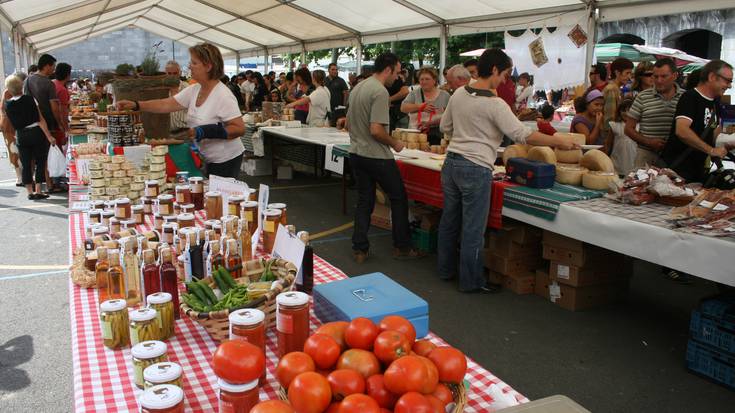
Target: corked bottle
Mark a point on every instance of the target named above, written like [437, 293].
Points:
[307, 265]
[169, 278]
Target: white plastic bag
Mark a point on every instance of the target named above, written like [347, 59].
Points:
[56, 162]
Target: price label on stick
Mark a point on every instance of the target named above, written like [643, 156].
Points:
[228, 187]
[289, 247]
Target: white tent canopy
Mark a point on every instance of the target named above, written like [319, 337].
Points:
[267, 27]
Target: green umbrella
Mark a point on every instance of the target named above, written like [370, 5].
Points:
[607, 52]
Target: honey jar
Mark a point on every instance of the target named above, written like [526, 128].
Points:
[233, 204]
[270, 226]
[282, 207]
[151, 189]
[213, 204]
[185, 220]
[122, 209]
[183, 194]
[165, 204]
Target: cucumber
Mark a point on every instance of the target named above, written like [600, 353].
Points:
[198, 292]
[208, 292]
[221, 284]
[226, 277]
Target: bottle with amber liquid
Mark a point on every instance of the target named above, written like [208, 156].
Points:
[131, 267]
[115, 276]
[100, 271]
[169, 278]
[246, 243]
[234, 261]
[216, 259]
[151, 275]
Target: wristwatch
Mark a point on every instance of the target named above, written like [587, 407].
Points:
[137, 106]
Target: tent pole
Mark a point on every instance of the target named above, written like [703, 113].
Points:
[358, 57]
[237, 63]
[591, 37]
[303, 53]
[443, 51]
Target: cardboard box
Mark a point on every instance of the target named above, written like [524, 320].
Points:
[581, 298]
[519, 232]
[507, 266]
[520, 284]
[557, 240]
[381, 217]
[496, 278]
[588, 256]
[541, 284]
[579, 277]
[506, 247]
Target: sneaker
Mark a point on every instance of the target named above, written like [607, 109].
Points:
[407, 254]
[488, 288]
[679, 277]
[359, 256]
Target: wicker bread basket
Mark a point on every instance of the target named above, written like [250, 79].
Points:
[217, 323]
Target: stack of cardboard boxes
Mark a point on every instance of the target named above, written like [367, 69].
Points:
[512, 256]
[424, 221]
[381, 213]
[581, 275]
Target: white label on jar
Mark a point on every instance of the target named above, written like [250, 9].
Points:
[284, 323]
[720, 207]
[106, 330]
[225, 406]
[562, 271]
[706, 204]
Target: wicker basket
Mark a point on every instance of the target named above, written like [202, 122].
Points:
[79, 273]
[217, 323]
[459, 393]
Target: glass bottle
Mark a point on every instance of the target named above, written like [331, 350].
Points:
[234, 261]
[100, 271]
[307, 265]
[115, 276]
[169, 278]
[208, 235]
[216, 259]
[131, 267]
[195, 254]
[246, 243]
[151, 275]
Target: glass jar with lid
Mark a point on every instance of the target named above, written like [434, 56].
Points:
[129, 224]
[168, 233]
[233, 204]
[281, 206]
[148, 203]
[209, 224]
[138, 214]
[270, 226]
[106, 215]
[122, 209]
[292, 321]
[100, 234]
[238, 397]
[197, 191]
[213, 204]
[157, 221]
[188, 208]
[165, 204]
[185, 220]
[115, 226]
[163, 373]
[151, 189]
[248, 324]
[98, 204]
[162, 302]
[145, 354]
[183, 194]
[114, 324]
[163, 398]
[95, 216]
[144, 325]
[177, 208]
[249, 212]
[252, 194]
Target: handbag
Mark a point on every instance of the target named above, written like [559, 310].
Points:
[433, 133]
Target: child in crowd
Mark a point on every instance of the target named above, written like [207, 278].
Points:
[623, 148]
[543, 123]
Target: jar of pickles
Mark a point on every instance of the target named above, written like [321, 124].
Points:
[144, 354]
[114, 324]
[238, 397]
[213, 204]
[183, 194]
[163, 373]
[292, 321]
[185, 220]
[165, 204]
[122, 209]
[151, 189]
[163, 398]
[270, 226]
[138, 214]
[233, 204]
[144, 325]
[282, 207]
[163, 304]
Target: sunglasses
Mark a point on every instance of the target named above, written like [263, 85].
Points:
[727, 80]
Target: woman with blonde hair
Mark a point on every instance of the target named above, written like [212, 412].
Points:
[213, 117]
[642, 78]
[425, 105]
[9, 134]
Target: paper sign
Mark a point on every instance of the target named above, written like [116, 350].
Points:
[554, 292]
[83, 169]
[562, 271]
[136, 154]
[228, 187]
[289, 247]
[263, 195]
[333, 162]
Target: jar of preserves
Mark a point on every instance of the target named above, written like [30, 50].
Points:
[98, 204]
[148, 205]
[177, 208]
[248, 324]
[163, 398]
[197, 191]
[292, 321]
[106, 215]
[122, 209]
[94, 216]
[213, 204]
[185, 220]
[115, 225]
[165, 204]
[145, 354]
[282, 207]
[252, 194]
[188, 209]
[157, 221]
[169, 219]
[233, 204]
[163, 304]
[163, 373]
[138, 214]
[249, 212]
[209, 224]
[217, 228]
[238, 397]
[183, 194]
[168, 233]
[151, 189]
[129, 224]
[114, 324]
[144, 325]
[270, 226]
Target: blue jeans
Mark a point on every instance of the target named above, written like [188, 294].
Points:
[466, 187]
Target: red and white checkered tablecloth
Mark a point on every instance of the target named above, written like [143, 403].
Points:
[103, 378]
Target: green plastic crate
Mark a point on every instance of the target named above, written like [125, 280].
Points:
[423, 240]
[76, 139]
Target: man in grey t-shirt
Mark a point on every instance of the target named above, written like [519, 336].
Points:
[372, 161]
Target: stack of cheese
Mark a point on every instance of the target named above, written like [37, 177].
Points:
[412, 138]
[113, 177]
[593, 169]
[155, 160]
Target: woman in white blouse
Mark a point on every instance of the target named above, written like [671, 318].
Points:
[213, 117]
[524, 92]
[318, 101]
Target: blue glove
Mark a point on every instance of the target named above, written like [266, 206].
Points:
[211, 131]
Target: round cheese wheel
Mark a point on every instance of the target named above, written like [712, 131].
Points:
[570, 174]
[412, 145]
[514, 151]
[596, 160]
[422, 138]
[543, 154]
[577, 138]
[598, 180]
[570, 156]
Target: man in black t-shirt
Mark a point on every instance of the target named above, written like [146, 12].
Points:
[338, 91]
[697, 124]
[397, 91]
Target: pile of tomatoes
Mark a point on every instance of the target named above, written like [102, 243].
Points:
[363, 367]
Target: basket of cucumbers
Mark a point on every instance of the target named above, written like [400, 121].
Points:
[210, 301]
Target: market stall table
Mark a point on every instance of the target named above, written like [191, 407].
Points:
[103, 378]
[318, 138]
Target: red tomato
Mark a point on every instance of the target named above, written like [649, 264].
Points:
[409, 374]
[335, 329]
[413, 402]
[443, 393]
[432, 377]
[333, 408]
[291, 365]
[361, 333]
[345, 382]
[423, 347]
[362, 361]
[238, 362]
[436, 404]
[390, 345]
[398, 323]
[309, 393]
[375, 388]
[359, 403]
[272, 406]
[451, 363]
[323, 350]
[384, 410]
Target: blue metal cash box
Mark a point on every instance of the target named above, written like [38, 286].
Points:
[373, 296]
[534, 174]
